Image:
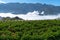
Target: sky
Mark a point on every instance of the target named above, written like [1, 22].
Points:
[53, 2]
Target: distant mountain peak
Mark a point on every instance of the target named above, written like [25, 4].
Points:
[23, 8]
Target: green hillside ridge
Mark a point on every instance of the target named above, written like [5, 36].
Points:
[30, 30]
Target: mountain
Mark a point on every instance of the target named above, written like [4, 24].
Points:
[23, 8]
[0, 18]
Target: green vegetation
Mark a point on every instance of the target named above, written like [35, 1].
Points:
[8, 18]
[30, 30]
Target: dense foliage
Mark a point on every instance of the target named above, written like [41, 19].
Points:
[30, 30]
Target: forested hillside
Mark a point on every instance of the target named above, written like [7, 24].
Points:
[30, 30]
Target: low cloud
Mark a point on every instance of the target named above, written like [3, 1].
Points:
[31, 16]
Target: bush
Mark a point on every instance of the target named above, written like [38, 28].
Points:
[30, 30]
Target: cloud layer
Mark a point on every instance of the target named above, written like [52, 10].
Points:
[31, 16]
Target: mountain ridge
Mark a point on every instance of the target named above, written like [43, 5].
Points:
[23, 8]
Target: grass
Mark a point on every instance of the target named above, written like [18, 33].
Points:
[30, 30]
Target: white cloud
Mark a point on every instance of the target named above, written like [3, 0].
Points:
[30, 16]
[2, 2]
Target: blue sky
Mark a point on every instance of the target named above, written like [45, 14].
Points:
[53, 2]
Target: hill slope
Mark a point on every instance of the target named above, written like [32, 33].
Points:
[30, 30]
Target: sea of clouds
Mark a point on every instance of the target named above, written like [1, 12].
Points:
[31, 16]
